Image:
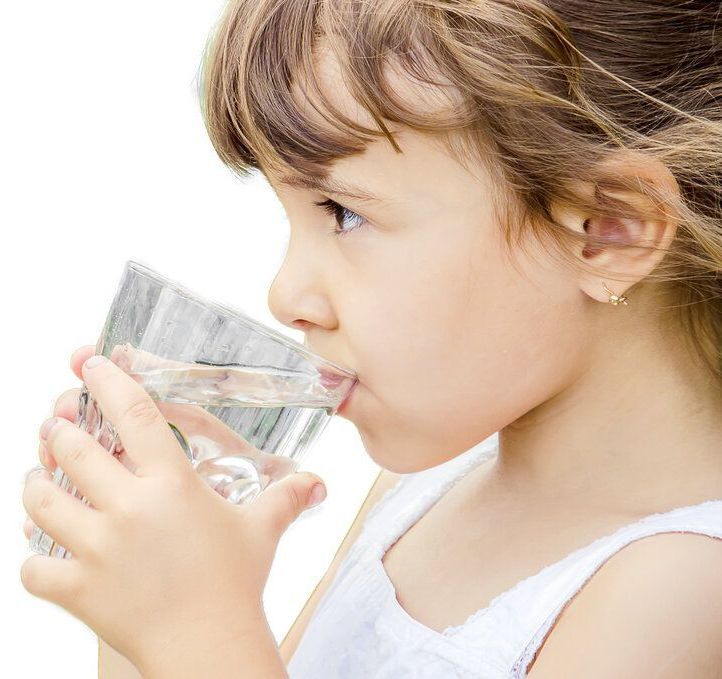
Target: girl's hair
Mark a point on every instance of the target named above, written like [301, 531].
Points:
[542, 93]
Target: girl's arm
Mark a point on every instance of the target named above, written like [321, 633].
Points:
[652, 610]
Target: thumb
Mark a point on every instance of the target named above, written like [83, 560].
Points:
[283, 501]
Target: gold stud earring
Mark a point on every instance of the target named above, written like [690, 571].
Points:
[613, 298]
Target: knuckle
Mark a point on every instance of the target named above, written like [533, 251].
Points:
[295, 500]
[46, 498]
[125, 509]
[180, 485]
[98, 545]
[77, 454]
[143, 411]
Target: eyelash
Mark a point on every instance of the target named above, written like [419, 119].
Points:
[339, 212]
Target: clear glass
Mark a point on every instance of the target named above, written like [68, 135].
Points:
[244, 401]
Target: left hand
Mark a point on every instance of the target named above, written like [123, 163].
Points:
[158, 557]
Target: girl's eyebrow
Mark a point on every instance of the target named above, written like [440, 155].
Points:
[332, 186]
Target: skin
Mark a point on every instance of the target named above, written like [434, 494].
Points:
[452, 343]
[603, 414]
[130, 543]
[601, 410]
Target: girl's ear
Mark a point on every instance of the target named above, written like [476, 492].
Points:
[645, 240]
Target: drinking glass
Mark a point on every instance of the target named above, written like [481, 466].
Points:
[244, 401]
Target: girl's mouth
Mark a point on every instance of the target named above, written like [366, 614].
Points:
[344, 404]
[330, 379]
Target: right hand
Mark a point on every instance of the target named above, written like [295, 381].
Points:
[66, 406]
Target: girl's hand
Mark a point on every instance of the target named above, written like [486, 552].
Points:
[65, 406]
[160, 560]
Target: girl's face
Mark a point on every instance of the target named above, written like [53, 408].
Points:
[450, 342]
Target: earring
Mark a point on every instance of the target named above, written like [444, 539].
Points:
[615, 299]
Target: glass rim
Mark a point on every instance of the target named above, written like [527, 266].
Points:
[148, 272]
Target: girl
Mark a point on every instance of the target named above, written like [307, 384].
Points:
[506, 217]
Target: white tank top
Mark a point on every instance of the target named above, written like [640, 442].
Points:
[360, 631]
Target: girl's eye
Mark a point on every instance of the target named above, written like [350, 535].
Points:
[343, 216]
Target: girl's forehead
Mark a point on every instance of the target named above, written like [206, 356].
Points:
[335, 118]
[331, 80]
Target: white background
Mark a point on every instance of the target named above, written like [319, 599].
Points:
[104, 158]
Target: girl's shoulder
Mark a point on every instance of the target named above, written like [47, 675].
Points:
[659, 574]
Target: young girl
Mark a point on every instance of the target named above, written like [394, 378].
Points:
[505, 217]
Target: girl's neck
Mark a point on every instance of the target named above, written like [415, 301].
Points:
[639, 429]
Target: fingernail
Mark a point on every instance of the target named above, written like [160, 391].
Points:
[94, 361]
[47, 426]
[318, 494]
[31, 473]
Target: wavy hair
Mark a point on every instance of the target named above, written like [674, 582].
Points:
[541, 92]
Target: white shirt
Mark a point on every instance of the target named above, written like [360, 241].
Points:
[360, 631]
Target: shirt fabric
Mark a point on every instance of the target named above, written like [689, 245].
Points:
[360, 631]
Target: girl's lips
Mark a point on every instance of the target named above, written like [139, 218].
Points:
[330, 379]
[342, 406]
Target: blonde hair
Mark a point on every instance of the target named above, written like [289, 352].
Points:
[542, 93]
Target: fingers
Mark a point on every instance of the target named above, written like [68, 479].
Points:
[140, 425]
[28, 527]
[78, 357]
[97, 475]
[59, 581]
[66, 406]
[66, 519]
[283, 501]
[46, 459]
